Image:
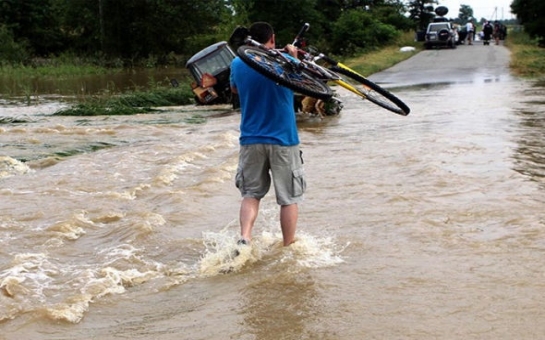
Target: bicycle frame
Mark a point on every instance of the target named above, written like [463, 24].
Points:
[371, 91]
[298, 64]
[337, 79]
[306, 63]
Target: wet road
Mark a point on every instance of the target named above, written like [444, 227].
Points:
[465, 64]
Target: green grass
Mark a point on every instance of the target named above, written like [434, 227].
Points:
[527, 59]
[376, 61]
[53, 69]
[131, 103]
[19, 79]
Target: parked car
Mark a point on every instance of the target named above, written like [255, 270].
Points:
[211, 68]
[440, 34]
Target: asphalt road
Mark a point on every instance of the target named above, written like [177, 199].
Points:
[464, 64]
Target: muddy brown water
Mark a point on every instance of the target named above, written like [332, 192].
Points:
[429, 226]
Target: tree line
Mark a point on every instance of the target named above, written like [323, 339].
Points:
[168, 31]
[163, 30]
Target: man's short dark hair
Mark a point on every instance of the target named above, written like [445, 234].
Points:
[261, 31]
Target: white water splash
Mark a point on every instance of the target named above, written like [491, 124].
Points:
[12, 167]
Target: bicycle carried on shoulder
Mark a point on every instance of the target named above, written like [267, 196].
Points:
[304, 75]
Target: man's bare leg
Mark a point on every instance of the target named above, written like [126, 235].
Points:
[249, 208]
[288, 222]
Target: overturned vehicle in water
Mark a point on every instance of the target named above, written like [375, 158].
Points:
[211, 69]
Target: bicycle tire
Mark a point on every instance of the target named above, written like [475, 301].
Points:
[376, 94]
[283, 73]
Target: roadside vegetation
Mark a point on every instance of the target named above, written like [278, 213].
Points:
[132, 102]
[61, 66]
[527, 58]
[374, 61]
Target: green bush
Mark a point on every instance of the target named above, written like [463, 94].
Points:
[358, 30]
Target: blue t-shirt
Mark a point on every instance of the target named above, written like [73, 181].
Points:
[267, 112]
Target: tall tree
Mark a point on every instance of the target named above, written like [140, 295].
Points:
[421, 12]
[82, 24]
[530, 14]
[391, 12]
[465, 13]
[287, 17]
[140, 28]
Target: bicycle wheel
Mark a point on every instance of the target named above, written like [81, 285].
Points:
[283, 72]
[374, 93]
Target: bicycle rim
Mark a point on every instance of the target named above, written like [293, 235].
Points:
[375, 94]
[282, 72]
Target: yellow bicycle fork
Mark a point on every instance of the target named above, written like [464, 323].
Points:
[348, 86]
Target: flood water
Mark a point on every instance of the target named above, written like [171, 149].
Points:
[429, 226]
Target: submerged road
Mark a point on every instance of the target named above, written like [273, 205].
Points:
[424, 227]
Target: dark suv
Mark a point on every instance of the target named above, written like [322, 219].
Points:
[440, 34]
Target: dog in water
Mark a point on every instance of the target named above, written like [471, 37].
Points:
[313, 106]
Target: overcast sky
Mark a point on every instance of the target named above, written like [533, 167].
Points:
[489, 9]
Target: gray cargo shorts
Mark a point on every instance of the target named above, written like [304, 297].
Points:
[256, 164]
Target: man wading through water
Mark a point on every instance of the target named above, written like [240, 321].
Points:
[269, 143]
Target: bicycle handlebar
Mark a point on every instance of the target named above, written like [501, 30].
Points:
[305, 28]
[303, 55]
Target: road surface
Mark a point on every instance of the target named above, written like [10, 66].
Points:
[463, 64]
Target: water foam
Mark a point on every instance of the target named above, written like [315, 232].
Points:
[223, 255]
[12, 167]
[32, 282]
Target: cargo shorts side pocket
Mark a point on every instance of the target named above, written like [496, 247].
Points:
[239, 180]
[299, 184]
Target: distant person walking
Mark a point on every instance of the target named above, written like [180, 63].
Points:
[470, 32]
[497, 32]
[487, 32]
